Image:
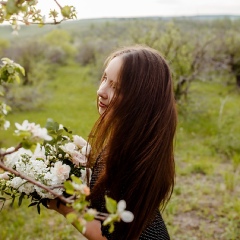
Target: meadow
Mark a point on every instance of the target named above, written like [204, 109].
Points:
[205, 202]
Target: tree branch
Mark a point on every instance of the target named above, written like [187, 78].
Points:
[63, 199]
[58, 4]
[2, 155]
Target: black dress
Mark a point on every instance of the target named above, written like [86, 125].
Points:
[156, 230]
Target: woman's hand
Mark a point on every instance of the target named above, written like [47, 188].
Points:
[93, 228]
[57, 205]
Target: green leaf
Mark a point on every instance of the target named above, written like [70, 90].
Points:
[78, 225]
[13, 199]
[11, 7]
[32, 204]
[76, 179]
[20, 199]
[38, 208]
[71, 217]
[111, 228]
[20, 69]
[111, 204]
[69, 187]
[88, 217]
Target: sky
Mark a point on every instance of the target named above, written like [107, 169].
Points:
[140, 8]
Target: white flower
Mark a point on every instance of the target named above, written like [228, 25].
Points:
[79, 141]
[83, 188]
[13, 158]
[35, 130]
[60, 171]
[41, 133]
[68, 148]
[16, 182]
[39, 152]
[75, 156]
[22, 185]
[4, 108]
[126, 216]
[78, 158]
[86, 150]
[45, 194]
[5, 175]
[23, 127]
[26, 188]
[6, 125]
[84, 175]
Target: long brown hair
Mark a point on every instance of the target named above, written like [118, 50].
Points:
[137, 131]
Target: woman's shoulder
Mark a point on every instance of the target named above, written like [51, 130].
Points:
[156, 230]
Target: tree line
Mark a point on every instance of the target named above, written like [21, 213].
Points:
[197, 50]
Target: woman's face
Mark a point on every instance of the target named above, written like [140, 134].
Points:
[109, 84]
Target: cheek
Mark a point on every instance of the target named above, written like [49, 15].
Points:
[111, 95]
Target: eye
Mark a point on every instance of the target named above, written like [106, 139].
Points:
[104, 78]
[113, 85]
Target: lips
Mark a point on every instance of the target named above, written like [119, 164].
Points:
[100, 104]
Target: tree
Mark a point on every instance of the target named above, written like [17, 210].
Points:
[26, 11]
[227, 51]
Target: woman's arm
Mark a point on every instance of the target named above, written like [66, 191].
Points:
[93, 228]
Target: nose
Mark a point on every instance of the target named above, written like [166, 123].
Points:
[101, 92]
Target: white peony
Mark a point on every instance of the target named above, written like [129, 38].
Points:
[79, 141]
[78, 158]
[86, 150]
[60, 171]
[68, 148]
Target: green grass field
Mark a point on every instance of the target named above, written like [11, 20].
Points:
[205, 203]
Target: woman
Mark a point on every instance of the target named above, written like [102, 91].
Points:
[134, 136]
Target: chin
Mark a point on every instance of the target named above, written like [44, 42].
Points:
[101, 110]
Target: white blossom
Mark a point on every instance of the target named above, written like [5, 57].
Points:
[83, 188]
[6, 125]
[60, 172]
[4, 106]
[86, 150]
[41, 133]
[39, 152]
[78, 158]
[84, 175]
[36, 131]
[5, 175]
[68, 148]
[79, 141]
[22, 185]
[126, 216]
[11, 159]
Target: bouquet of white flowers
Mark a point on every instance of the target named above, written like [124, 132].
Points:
[51, 163]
